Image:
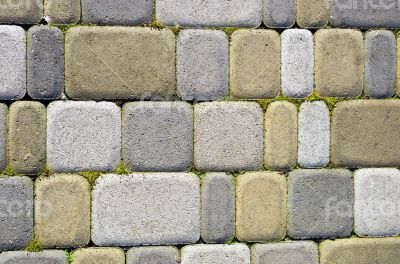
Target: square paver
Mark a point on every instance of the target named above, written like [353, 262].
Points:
[279, 13]
[153, 255]
[312, 13]
[218, 254]
[98, 256]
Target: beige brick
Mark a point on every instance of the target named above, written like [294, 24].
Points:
[398, 64]
[312, 13]
[98, 256]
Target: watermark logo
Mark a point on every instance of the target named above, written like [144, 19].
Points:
[367, 4]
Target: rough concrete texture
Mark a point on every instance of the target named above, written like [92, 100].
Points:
[25, 257]
[212, 13]
[27, 137]
[202, 64]
[364, 132]
[281, 136]
[98, 256]
[21, 12]
[62, 211]
[45, 66]
[109, 12]
[304, 252]
[62, 11]
[217, 207]
[16, 219]
[3, 135]
[314, 134]
[380, 64]
[297, 63]
[83, 136]
[376, 202]
[279, 13]
[255, 57]
[218, 254]
[140, 64]
[361, 251]
[12, 63]
[339, 62]
[312, 13]
[320, 204]
[157, 136]
[166, 206]
[261, 206]
[153, 255]
[228, 136]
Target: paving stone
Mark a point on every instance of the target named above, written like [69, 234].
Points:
[202, 64]
[157, 136]
[166, 206]
[16, 208]
[42, 257]
[364, 132]
[109, 12]
[45, 66]
[304, 252]
[141, 64]
[380, 63]
[279, 13]
[312, 13]
[361, 251]
[297, 63]
[98, 256]
[153, 255]
[281, 135]
[339, 62]
[376, 202]
[27, 137]
[62, 11]
[218, 207]
[3, 135]
[255, 58]
[212, 13]
[228, 136]
[216, 254]
[260, 206]
[21, 12]
[83, 136]
[62, 211]
[320, 204]
[314, 134]
[12, 63]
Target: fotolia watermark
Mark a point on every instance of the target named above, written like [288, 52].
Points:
[21, 208]
[367, 4]
[20, 4]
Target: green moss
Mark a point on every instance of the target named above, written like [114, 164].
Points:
[46, 172]
[156, 24]
[122, 168]
[231, 240]
[90, 176]
[264, 103]
[69, 256]
[64, 28]
[8, 172]
[34, 246]
[229, 30]
[175, 29]
[200, 174]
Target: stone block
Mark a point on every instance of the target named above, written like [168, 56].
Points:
[153, 255]
[21, 12]
[98, 256]
[218, 254]
[42, 257]
[279, 13]
[3, 135]
[62, 11]
[312, 13]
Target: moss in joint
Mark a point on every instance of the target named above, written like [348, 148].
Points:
[69, 256]
[90, 176]
[122, 168]
[9, 172]
[34, 246]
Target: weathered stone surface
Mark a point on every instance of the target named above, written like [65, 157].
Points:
[202, 64]
[21, 12]
[166, 206]
[312, 13]
[62, 11]
[314, 134]
[297, 63]
[261, 206]
[339, 62]
[13, 62]
[109, 12]
[212, 13]
[320, 204]
[279, 13]
[228, 136]
[205, 254]
[157, 136]
[140, 64]
[361, 251]
[281, 136]
[43, 257]
[83, 136]
[45, 66]
[217, 207]
[364, 132]
[62, 211]
[16, 208]
[255, 57]
[27, 137]
[98, 256]
[380, 63]
[3, 135]
[153, 255]
[305, 252]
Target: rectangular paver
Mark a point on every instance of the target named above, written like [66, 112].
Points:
[98, 256]
[43, 257]
[279, 13]
[21, 12]
[312, 13]
[153, 255]
[216, 254]
[62, 11]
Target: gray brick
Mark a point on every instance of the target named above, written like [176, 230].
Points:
[153, 255]
[43, 257]
[3, 136]
[45, 64]
[157, 136]
[228, 136]
[62, 11]
[320, 204]
[202, 64]
[21, 12]
[218, 207]
[83, 136]
[16, 220]
[218, 254]
[123, 12]
[380, 63]
[196, 13]
[279, 13]
[166, 206]
[12, 63]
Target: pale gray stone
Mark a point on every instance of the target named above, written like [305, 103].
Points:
[25, 257]
[153, 255]
[218, 254]
[3, 135]
[279, 13]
